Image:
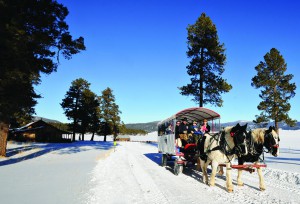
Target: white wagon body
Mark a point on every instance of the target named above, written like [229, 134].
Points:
[166, 136]
[166, 141]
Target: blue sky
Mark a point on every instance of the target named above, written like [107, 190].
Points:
[138, 49]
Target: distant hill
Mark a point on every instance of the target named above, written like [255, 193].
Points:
[36, 118]
[152, 126]
[149, 127]
[252, 125]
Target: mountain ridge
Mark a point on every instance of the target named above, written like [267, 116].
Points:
[152, 126]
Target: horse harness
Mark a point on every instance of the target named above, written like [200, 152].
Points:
[255, 150]
[222, 145]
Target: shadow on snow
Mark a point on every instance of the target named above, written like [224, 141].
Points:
[191, 171]
[44, 148]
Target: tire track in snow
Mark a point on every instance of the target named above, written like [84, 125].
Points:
[150, 190]
[141, 179]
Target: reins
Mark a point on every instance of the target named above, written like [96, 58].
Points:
[251, 145]
[222, 144]
[254, 151]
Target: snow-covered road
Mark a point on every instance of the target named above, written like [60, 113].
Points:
[132, 174]
[93, 173]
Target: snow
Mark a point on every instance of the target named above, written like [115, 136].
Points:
[98, 172]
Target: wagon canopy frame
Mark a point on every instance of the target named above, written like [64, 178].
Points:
[195, 113]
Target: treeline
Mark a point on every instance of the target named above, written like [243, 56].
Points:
[90, 112]
[129, 131]
[148, 127]
[61, 126]
[123, 130]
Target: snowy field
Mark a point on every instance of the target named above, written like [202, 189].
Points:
[96, 172]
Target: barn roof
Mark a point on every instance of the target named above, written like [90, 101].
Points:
[41, 124]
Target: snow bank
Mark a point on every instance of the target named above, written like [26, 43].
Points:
[49, 172]
[151, 137]
[289, 139]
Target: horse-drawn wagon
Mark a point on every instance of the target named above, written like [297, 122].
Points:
[220, 147]
[166, 136]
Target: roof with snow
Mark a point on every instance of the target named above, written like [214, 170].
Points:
[191, 114]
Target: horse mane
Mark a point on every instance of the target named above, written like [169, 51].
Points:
[228, 138]
[258, 135]
[227, 129]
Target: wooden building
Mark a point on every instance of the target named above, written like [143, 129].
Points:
[124, 138]
[40, 131]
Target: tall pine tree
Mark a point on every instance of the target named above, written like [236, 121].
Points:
[276, 89]
[88, 114]
[73, 103]
[33, 36]
[206, 65]
[109, 112]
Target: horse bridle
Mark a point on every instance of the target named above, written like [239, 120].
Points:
[270, 147]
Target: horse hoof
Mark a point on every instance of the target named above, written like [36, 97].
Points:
[230, 190]
[240, 184]
[262, 189]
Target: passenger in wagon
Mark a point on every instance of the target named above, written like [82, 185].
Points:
[169, 129]
[195, 131]
[205, 128]
[183, 131]
[177, 138]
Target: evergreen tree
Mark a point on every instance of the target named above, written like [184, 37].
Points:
[206, 65]
[128, 131]
[89, 112]
[61, 126]
[73, 103]
[95, 121]
[33, 35]
[105, 129]
[276, 89]
[109, 112]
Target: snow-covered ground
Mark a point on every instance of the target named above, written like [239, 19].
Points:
[96, 172]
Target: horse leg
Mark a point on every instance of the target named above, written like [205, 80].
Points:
[261, 179]
[229, 185]
[204, 171]
[214, 166]
[239, 178]
[198, 167]
[220, 171]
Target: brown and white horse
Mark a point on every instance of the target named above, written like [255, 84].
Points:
[223, 148]
[257, 139]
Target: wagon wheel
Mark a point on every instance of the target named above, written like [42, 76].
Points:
[164, 160]
[178, 168]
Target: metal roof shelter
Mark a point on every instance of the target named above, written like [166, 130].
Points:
[196, 113]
